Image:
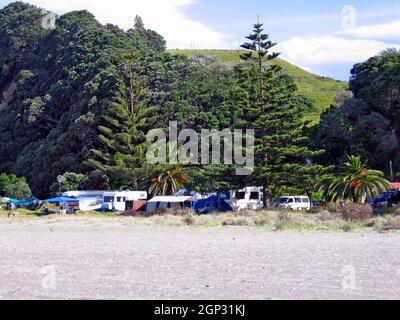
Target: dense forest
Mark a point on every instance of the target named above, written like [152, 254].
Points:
[78, 99]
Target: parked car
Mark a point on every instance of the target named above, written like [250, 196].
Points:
[384, 200]
[295, 203]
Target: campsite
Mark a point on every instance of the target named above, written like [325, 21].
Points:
[194, 149]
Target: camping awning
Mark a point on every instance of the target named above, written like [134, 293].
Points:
[61, 199]
[171, 199]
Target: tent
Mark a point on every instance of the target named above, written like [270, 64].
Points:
[169, 202]
[212, 204]
[61, 200]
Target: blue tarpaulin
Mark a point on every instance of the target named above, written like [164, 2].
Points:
[212, 204]
[23, 202]
[60, 199]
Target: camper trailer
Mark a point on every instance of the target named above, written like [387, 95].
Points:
[250, 198]
[85, 200]
[122, 200]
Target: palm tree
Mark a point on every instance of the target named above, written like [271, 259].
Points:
[357, 182]
[168, 182]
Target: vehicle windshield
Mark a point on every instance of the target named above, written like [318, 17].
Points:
[283, 199]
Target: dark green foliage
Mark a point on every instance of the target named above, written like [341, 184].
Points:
[69, 181]
[13, 187]
[145, 38]
[95, 180]
[55, 89]
[366, 123]
[125, 125]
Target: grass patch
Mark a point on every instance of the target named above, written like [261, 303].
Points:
[271, 220]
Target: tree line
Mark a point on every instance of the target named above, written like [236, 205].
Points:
[79, 100]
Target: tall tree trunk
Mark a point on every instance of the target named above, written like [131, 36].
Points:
[266, 199]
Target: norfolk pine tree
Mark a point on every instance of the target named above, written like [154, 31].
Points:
[123, 134]
[274, 110]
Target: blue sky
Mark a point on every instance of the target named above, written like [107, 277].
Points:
[325, 37]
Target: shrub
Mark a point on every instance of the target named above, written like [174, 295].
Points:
[348, 227]
[95, 180]
[261, 221]
[284, 217]
[357, 212]
[189, 220]
[328, 216]
[388, 223]
[13, 187]
[242, 222]
[229, 223]
[69, 181]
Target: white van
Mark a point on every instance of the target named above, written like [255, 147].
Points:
[296, 203]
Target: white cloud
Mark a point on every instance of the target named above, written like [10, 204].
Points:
[389, 31]
[313, 50]
[167, 17]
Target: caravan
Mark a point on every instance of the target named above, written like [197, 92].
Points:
[85, 200]
[122, 200]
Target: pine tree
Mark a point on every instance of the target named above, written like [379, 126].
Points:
[123, 134]
[275, 112]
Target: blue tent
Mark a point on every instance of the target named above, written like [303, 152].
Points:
[212, 204]
[61, 199]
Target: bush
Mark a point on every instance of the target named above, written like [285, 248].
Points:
[348, 227]
[13, 187]
[261, 221]
[357, 212]
[69, 181]
[284, 217]
[325, 216]
[95, 180]
[388, 223]
[189, 220]
[229, 223]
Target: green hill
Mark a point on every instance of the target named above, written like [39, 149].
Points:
[322, 90]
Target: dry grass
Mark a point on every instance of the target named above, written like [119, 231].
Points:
[266, 220]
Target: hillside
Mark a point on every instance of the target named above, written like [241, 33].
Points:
[321, 90]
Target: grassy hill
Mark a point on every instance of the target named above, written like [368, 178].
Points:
[322, 90]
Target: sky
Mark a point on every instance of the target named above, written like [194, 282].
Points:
[323, 37]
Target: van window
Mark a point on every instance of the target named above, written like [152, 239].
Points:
[119, 199]
[298, 200]
[254, 196]
[306, 200]
[240, 195]
[290, 200]
[283, 200]
[108, 199]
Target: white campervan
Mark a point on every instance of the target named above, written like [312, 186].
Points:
[121, 200]
[296, 203]
[250, 198]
